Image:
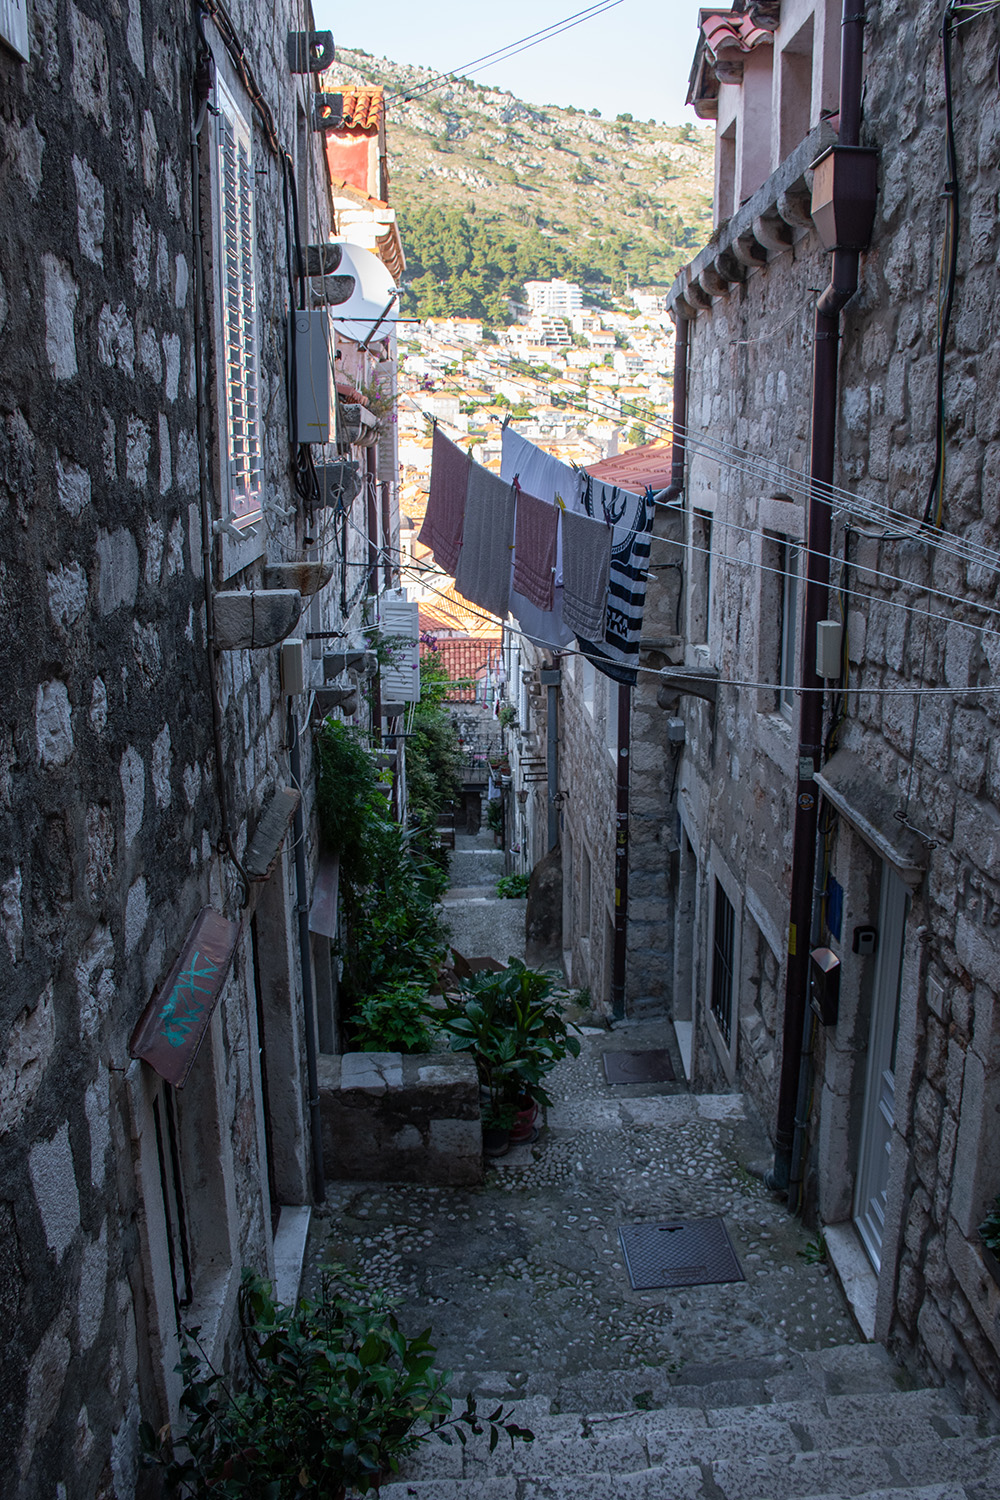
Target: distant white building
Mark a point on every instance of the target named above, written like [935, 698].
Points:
[559, 299]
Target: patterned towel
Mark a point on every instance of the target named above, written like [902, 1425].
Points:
[535, 528]
[442, 528]
[482, 574]
[586, 565]
[616, 650]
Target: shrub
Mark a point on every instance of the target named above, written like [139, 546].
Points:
[513, 886]
[395, 1020]
[335, 1396]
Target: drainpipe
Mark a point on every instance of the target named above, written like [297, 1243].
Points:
[679, 435]
[621, 855]
[305, 959]
[551, 680]
[843, 285]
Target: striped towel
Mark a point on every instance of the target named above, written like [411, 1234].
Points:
[535, 528]
[586, 566]
[482, 574]
[616, 650]
[445, 518]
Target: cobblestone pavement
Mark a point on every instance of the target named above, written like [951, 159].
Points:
[523, 1279]
[479, 924]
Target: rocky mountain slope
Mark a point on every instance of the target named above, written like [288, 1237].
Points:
[603, 201]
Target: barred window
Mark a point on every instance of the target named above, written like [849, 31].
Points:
[241, 468]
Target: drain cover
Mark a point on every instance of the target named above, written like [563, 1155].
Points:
[684, 1252]
[639, 1067]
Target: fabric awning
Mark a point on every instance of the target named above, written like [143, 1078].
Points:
[172, 1027]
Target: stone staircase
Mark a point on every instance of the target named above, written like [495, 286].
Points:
[833, 1424]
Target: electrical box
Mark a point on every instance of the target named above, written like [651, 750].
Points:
[865, 941]
[292, 666]
[675, 731]
[311, 352]
[824, 985]
[828, 646]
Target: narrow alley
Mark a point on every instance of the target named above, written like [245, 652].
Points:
[748, 1390]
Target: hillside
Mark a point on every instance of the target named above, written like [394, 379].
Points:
[492, 191]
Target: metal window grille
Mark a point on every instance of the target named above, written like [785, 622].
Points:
[722, 963]
[240, 353]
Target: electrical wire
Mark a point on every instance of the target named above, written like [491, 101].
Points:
[510, 49]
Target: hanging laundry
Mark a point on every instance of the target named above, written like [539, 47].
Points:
[538, 472]
[615, 651]
[586, 567]
[482, 574]
[542, 627]
[445, 519]
[535, 527]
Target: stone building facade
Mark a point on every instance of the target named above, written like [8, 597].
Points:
[150, 748]
[897, 1148]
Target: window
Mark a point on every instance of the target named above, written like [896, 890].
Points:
[241, 467]
[796, 88]
[585, 895]
[722, 963]
[174, 1206]
[725, 190]
[788, 569]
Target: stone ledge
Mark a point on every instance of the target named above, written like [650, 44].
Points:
[764, 226]
[854, 1271]
[390, 1118]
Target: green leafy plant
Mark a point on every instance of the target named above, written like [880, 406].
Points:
[989, 1229]
[814, 1253]
[514, 1030]
[507, 716]
[513, 886]
[494, 815]
[334, 1398]
[398, 1019]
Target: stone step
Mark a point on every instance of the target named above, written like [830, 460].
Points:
[847, 1369]
[647, 1484]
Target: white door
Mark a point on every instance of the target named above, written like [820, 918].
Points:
[880, 1083]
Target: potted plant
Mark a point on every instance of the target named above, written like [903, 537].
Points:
[335, 1397]
[516, 1034]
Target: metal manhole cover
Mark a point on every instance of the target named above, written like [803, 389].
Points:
[682, 1252]
[639, 1067]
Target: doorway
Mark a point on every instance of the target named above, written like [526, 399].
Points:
[872, 1185]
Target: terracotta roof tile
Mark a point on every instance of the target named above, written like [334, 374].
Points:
[363, 107]
[636, 468]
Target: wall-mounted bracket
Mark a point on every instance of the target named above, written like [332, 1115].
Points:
[310, 51]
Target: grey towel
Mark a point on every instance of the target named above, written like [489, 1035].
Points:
[586, 564]
[482, 574]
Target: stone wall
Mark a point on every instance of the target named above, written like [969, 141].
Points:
[109, 791]
[390, 1118]
[928, 755]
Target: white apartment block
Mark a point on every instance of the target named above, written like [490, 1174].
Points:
[560, 299]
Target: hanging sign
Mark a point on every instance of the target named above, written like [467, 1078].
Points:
[173, 1025]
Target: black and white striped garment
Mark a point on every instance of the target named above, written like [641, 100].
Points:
[630, 517]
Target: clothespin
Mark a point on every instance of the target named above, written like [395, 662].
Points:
[560, 501]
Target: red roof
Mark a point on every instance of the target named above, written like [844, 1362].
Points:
[637, 467]
[363, 106]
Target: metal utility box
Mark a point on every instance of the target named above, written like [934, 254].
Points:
[824, 985]
[311, 354]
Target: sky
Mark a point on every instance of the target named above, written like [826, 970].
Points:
[634, 59]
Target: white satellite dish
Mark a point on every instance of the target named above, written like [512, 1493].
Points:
[374, 300]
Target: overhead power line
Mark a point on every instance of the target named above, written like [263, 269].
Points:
[510, 49]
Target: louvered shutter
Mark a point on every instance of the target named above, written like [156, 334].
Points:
[238, 303]
[400, 620]
[14, 26]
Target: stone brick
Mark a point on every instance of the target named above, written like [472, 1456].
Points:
[52, 1177]
[53, 724]
[61, 293]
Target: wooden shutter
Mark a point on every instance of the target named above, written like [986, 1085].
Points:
[240, 349]
[399, 621]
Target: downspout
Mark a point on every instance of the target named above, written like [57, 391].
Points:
[305, 959]
[843, 285]
[675, 488]
[552, 754]
[621, 855]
